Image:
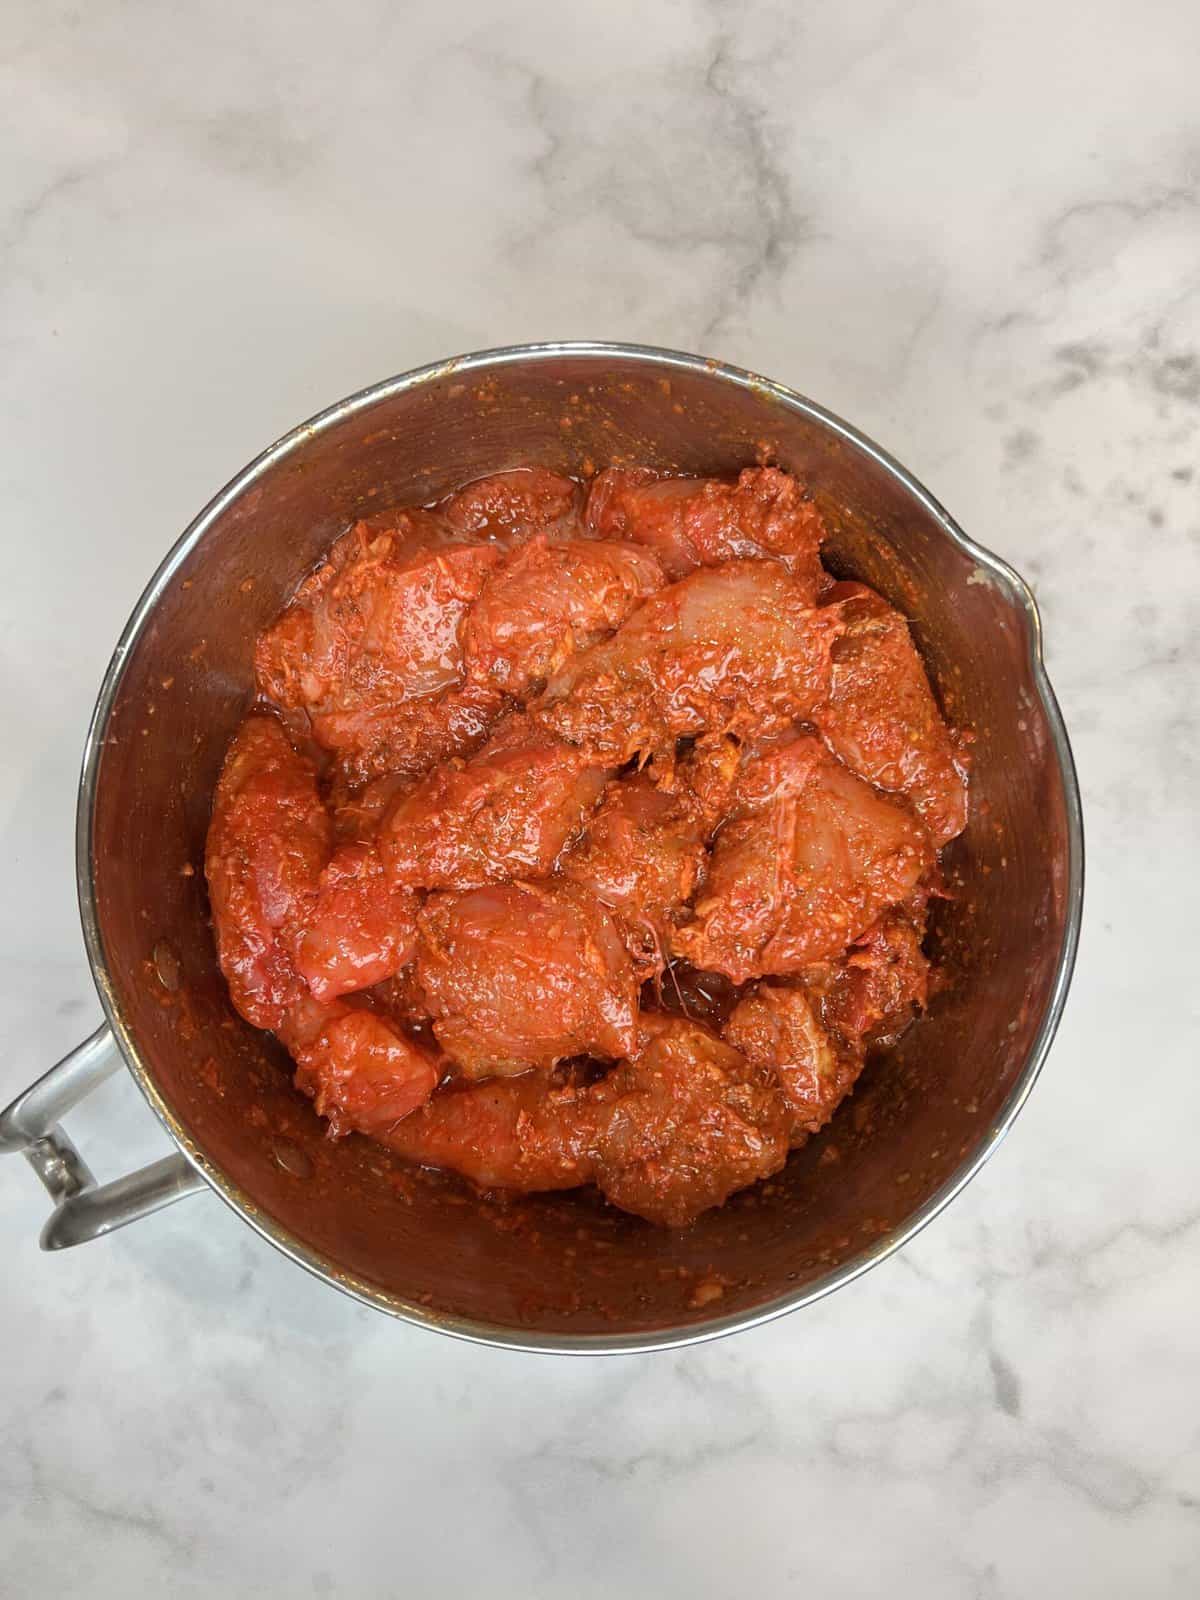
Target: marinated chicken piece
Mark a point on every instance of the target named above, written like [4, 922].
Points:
[814, 1033]
[702, 522]
[361, 927]
[807, 859]
[686, 1125]
[644, 848]
[525, 975]
[363, 1074]
[509, 812]
[370, 651]
[268, 842]
[509, 506]
[377, 625]
[732, 649]
[881, 717]
[641, 857]
[705, 779]
[545, 602]
[779, 1029]
[407, 739]
[665, 1136]
[528, 1134]
[882, 983]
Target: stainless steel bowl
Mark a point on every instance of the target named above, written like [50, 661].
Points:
[552, 1273]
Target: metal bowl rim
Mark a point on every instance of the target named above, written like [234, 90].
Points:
[498, 1335]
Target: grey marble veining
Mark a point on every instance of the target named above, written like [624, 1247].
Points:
[974, 230]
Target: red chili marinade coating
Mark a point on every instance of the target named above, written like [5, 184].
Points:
[508, 812]
[806, 859]
[695, 522]
[881, 718]
[268, 847]
[644, 850]
[813, 1030]
[525, 975]
[675, 1129]
[584, 838]
[547, 600]
[734, 649]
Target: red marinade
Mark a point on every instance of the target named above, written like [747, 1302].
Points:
[584, 834]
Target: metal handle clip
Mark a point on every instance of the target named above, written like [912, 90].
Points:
[83, 1211]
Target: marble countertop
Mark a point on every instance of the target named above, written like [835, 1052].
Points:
[974, 230]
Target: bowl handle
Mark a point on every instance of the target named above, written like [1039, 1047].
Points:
[83, 1211]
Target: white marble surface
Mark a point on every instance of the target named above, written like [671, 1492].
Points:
[975, 230]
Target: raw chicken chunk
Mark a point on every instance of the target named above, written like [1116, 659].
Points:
[881, 717]
[808, 858]
[778, 1028]
[693, 522]
[525, 975]
[375, 625]
[363, 1073]
[509, 812]
[686, 1125]
[644, 848]
[360, 928]
[515, 505]
[732, 649]
[547, 601]
[268, 842]
[665, 1136]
